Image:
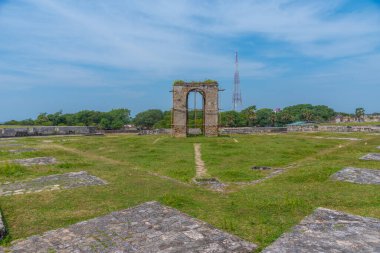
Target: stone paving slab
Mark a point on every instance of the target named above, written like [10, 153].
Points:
[36, 161]
[358, 175]
[150, 227]
[371, 157]
[330, 231]
[50, 183]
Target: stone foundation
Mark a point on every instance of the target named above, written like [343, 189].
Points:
[371, 157]
[150, 227]
[36, 161]
[50, 183]
[357, 175]
[330, 231]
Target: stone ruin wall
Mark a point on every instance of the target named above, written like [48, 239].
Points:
[44, 131]
[254, 130]
[251, 130]
[316, 128]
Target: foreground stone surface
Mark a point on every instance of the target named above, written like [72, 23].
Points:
[371, 157]
[36, 161]
[149, 227]
[357, 175]
[330, 231]
[50, 183]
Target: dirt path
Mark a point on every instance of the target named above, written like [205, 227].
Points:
[199, 163]
[158, 139]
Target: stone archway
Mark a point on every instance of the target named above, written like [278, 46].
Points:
[209, 91]
[195, 118]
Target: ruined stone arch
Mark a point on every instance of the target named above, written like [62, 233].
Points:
[181, 91]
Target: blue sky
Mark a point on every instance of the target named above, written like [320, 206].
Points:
[72, 55]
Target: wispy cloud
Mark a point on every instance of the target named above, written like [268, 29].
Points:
[127, 43]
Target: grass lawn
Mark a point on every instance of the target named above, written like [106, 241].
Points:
[133, 164]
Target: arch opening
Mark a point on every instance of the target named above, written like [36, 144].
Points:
[195, 113]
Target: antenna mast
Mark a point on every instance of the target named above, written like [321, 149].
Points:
[236, 97]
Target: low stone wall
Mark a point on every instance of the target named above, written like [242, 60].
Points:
[44, 131]
[317, 128]
[156, 131]
[2, 227]
[121, 131]
[252, 130]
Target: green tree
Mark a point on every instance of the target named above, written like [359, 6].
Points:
[284, 117]
[43, 120]
[231, 119]
[105, 124]
[148, 118]
[165, 122]
[359, 113]
[264, 117]
[307, 115]
[249, 115]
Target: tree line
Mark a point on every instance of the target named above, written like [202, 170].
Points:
[155, 118]
[114, 119]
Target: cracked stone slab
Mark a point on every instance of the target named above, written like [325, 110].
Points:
[23, 150]
[36, 161]
[50, 183]
[330, 231]
[149, 227]
[358, 175]
[371, 157]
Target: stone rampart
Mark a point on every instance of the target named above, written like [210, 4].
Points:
[331, 128]
[251, 130]
[44, 131]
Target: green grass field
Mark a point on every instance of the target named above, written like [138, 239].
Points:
[134, 166]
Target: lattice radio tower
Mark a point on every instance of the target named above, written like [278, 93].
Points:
[236, 97]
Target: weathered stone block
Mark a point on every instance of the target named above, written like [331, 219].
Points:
[50, 183]
[36, 161]
[357, 175]
[371, 157]
[150, 227]
[330, 231]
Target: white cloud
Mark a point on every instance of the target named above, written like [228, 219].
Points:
[77, 42]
